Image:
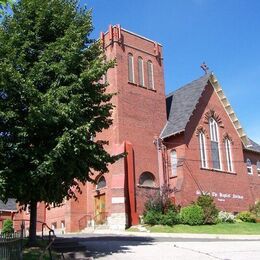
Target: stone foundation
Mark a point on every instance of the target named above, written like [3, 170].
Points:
[117, 221]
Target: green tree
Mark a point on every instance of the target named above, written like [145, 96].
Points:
[4, 4]
[52, 103]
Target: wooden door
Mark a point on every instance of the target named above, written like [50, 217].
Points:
[100, 209]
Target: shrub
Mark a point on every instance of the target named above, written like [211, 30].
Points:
[246, 216]
[226, 217]
[8, 227]
[152, 217]
[170, 218]
[192, 215]
[210, 211]
[255, 209]
[159, 210]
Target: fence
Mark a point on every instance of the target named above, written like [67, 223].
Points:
[11, 246]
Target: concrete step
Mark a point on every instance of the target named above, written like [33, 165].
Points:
[101, 227]
[88, 230]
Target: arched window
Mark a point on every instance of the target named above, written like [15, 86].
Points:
[174, 162]
[150, 74]
[131, 77]
[258, 167]
[214, 143]
[203, 154]
[249, 166]
[228, 155]
[147, 179]
[141, 71]
[101, 183]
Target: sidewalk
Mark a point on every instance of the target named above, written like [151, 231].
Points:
[177, 235]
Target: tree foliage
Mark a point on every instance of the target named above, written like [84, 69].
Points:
[4, 4]
[52, 101]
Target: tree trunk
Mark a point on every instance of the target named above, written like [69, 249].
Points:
[33, 219]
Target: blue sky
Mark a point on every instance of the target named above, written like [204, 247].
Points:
[223, 33]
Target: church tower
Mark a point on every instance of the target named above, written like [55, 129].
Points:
[138, 118]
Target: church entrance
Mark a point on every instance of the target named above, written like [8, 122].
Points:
[100, 209]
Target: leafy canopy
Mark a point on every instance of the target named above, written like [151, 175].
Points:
[52, 101]
[4, 4]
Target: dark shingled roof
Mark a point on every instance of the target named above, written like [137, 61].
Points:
[9, 206]
[180, 104]
[253, 146]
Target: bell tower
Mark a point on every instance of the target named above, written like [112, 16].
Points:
[138, 118]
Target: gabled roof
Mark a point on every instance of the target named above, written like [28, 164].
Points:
[180, 105]
[10, 205]
[253, 146]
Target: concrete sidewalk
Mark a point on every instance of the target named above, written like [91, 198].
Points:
[177, 235]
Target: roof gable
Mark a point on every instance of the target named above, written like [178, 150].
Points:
[180, 104]
[229, 110]
[10, 205]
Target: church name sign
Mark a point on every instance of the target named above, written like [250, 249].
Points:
[221, 196]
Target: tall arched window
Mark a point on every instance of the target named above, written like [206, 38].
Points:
[101, 183]
[147, 179]
[131, 77]
[141, 71]
[249, 166]
[174, 162]
[228, 155]
[214, 143]
[150, 74]
[203, 154]
[258, 167]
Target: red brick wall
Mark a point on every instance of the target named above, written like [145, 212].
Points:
[218, 183]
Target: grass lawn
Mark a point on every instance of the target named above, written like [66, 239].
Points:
[34, 253]
[222, 228]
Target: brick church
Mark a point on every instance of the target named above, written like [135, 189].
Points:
[190, 141]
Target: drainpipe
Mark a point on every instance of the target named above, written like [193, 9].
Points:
[159, 148]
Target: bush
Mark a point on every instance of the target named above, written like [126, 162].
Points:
[159, 210]
[210, 211]
[192, 215]
[152, 217]
[170, 218]
[246, 216]
[226, 217]
[7, 227]
[255, 209]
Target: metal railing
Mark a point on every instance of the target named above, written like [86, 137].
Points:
[11, 246]
[93, 221]
[50, 238]
[85, 221]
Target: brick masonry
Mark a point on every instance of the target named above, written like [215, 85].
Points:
[138, 119]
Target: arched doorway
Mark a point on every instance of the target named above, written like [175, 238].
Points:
[100, 202]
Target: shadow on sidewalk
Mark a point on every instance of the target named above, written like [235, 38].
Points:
[83, 248]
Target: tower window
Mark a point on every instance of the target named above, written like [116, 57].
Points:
[203, 155]
[249, 166]
[150, 75]
[214, 144]
[141, 71]
[228, 155]
[131, 77]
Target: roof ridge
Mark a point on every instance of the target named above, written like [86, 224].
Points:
[190, 83]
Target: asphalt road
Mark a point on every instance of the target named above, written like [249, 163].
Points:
[120, 247]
